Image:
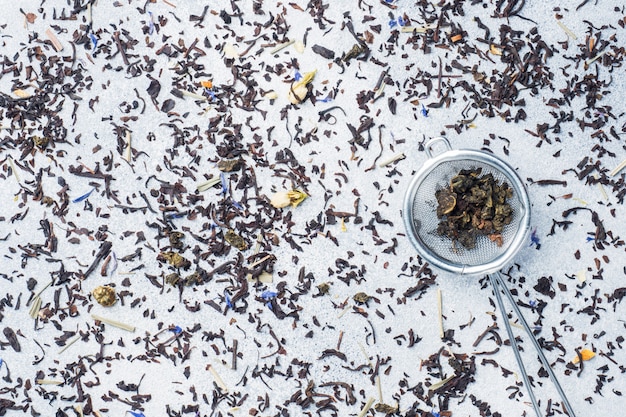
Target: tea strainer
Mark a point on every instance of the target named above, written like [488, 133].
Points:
[421, 221]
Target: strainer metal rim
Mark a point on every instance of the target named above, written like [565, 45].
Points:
[482, 157]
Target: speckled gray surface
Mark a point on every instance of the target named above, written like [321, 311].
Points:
[528, 94]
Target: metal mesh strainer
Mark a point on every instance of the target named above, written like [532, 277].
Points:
[420, 219]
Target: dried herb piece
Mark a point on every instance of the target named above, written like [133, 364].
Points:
[385, 408]
[105, 295]
[361, 298]
[175, 239]
[235, 240]
[472, 206]
[174, 259]
[229, 165]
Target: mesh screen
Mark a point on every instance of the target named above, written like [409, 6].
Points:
[424, 215]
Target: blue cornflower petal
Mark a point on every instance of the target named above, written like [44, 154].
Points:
[392, 23]
[224, 183]
[176, 330]
[401, 21]
[151, 24]
[94, 41]
[237, 205]
[268, 295]
[424, 111]
[534, 239]
[177, 215]
[83, 197]
[589, 238]
[210, 93]
[227, 299]
[297, 76]
[1, 362]
[136, 413]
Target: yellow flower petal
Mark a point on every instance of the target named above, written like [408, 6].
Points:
[299, 46]
[307, 78]
[297, 94]
[21, 93]
[280, 199]
[298, 89]
[296, 197]
[271, 95]
[495, 50]
[586, 354]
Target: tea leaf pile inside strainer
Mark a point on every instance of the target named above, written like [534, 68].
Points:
[421, 214]
[426, 221]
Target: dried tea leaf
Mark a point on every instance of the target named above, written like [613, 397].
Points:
[168, 105]
[154, 89]
[12, 338]
[324, 52]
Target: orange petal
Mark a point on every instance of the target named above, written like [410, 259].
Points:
[206, 84]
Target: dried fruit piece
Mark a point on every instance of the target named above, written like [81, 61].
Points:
[446, 200]
[586, 354]
[104, 295]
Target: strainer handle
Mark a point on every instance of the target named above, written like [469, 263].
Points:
[430, 143]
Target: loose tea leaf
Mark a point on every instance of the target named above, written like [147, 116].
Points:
[12, 338]
[473, 206]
